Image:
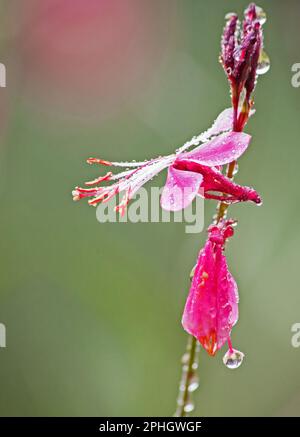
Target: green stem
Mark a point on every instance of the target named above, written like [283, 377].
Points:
[190, 358]
[189, 380]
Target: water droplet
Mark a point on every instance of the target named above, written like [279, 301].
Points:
[229, 71]
[185, 368]
[261, 15]
[233, 359]
[195, 366]
[185, 358]
[194, 384]
[263, 65]
[189, 407]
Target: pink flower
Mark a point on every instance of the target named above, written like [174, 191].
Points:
[211, 309]
[198, 171]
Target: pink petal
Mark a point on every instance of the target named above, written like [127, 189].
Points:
[233, 299]
[221, 124]
[180, 189]
[211, 309]
[221, 150]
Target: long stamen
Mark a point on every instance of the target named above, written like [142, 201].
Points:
[99, 161]
[100, 179]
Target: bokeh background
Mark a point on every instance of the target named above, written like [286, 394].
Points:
[92, 310]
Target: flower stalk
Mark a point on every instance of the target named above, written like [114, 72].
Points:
[189, 379]
[241, 66]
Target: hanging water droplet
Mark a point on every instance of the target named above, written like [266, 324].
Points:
[194, 384]
[263, 65]
[189, 407]
[233, 359]
[261, 15]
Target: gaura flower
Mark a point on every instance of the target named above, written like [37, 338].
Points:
[211, 308]
[198, 171]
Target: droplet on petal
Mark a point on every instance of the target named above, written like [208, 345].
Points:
[233, 359]
[221, 150]
[180, 189]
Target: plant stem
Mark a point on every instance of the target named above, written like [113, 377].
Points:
[190, 358]
[188, 382]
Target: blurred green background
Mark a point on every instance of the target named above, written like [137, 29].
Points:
[92, 310]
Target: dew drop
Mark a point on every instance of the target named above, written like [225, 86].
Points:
[189, 407]
[233, 359]
[195, 366]
[229, 71]
[263, 65]
[194, 384]
[261, 15]
[185, 358]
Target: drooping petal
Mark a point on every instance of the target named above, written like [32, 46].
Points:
[221, 150]
[211, 309]
[180, 189]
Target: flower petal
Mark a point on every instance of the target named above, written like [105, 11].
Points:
[221, 150]
[233, 296]
[180, 189]
[221, 124]
[211, 309]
